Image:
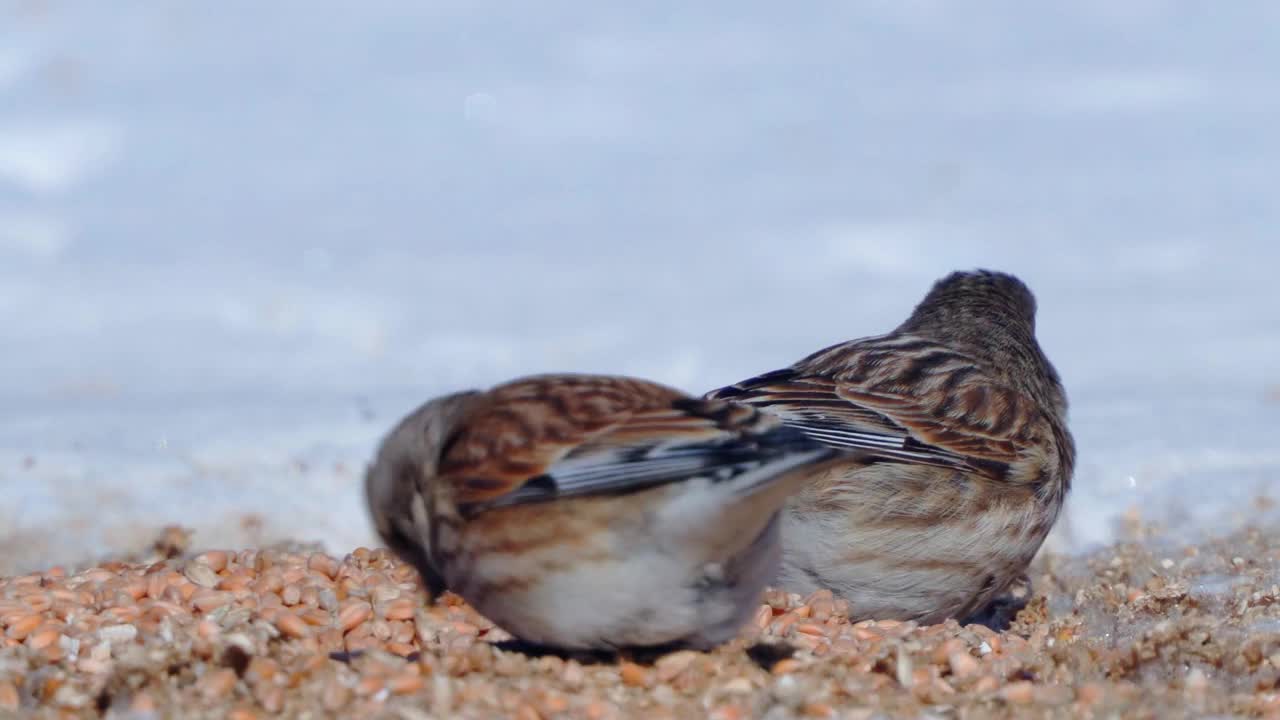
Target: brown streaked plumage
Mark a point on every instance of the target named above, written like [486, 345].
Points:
[591, 512]
[960, 455]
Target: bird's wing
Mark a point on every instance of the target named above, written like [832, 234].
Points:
[567, 436]
[906, 402]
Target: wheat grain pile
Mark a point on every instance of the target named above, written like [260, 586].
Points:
[1140, 629]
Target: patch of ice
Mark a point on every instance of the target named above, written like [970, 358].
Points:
[892, 248]
[36, 237]
[15, 64]
[1124, 90]
[46, 159]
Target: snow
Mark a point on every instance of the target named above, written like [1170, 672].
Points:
[237, 242]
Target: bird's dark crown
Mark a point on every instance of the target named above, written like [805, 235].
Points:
[976, 301]
[991, 316]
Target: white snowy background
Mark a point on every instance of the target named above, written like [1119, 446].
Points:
[239, 240]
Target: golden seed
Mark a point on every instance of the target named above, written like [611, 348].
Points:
[948, 648]
[785, 666]
[812, 629]
[316, 617]
[217, 683]
[208, 600]
[362, 630]
[8, 695]
[633, 675]
[200, 574]
[43, 638]
[234, 583]
[208, 630]
[261, 670]
[670, 665]
[399, 648]
[215, 559]
[23, 626]
[291, 625]
[1021, 692]
[270, 582]
[399, 609]
[405, 684]
[321, 563]
[354, 614]
[963, 664]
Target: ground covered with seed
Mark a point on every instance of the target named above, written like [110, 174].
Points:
[1143, 629]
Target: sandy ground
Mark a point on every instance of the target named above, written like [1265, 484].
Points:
[1146, 628]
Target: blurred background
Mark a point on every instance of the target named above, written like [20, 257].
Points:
[239, 240]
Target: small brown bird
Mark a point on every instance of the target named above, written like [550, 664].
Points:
[961, 455]
[583, 512]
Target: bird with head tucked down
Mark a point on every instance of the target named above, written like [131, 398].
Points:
[587, 512]
[959, 457]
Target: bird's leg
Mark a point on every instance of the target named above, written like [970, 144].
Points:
[1000, 612]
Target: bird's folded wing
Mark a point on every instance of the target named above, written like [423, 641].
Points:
[552, 443]
[956, 432]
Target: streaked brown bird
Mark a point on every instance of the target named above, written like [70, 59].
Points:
[583, 512]
[961, 456]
